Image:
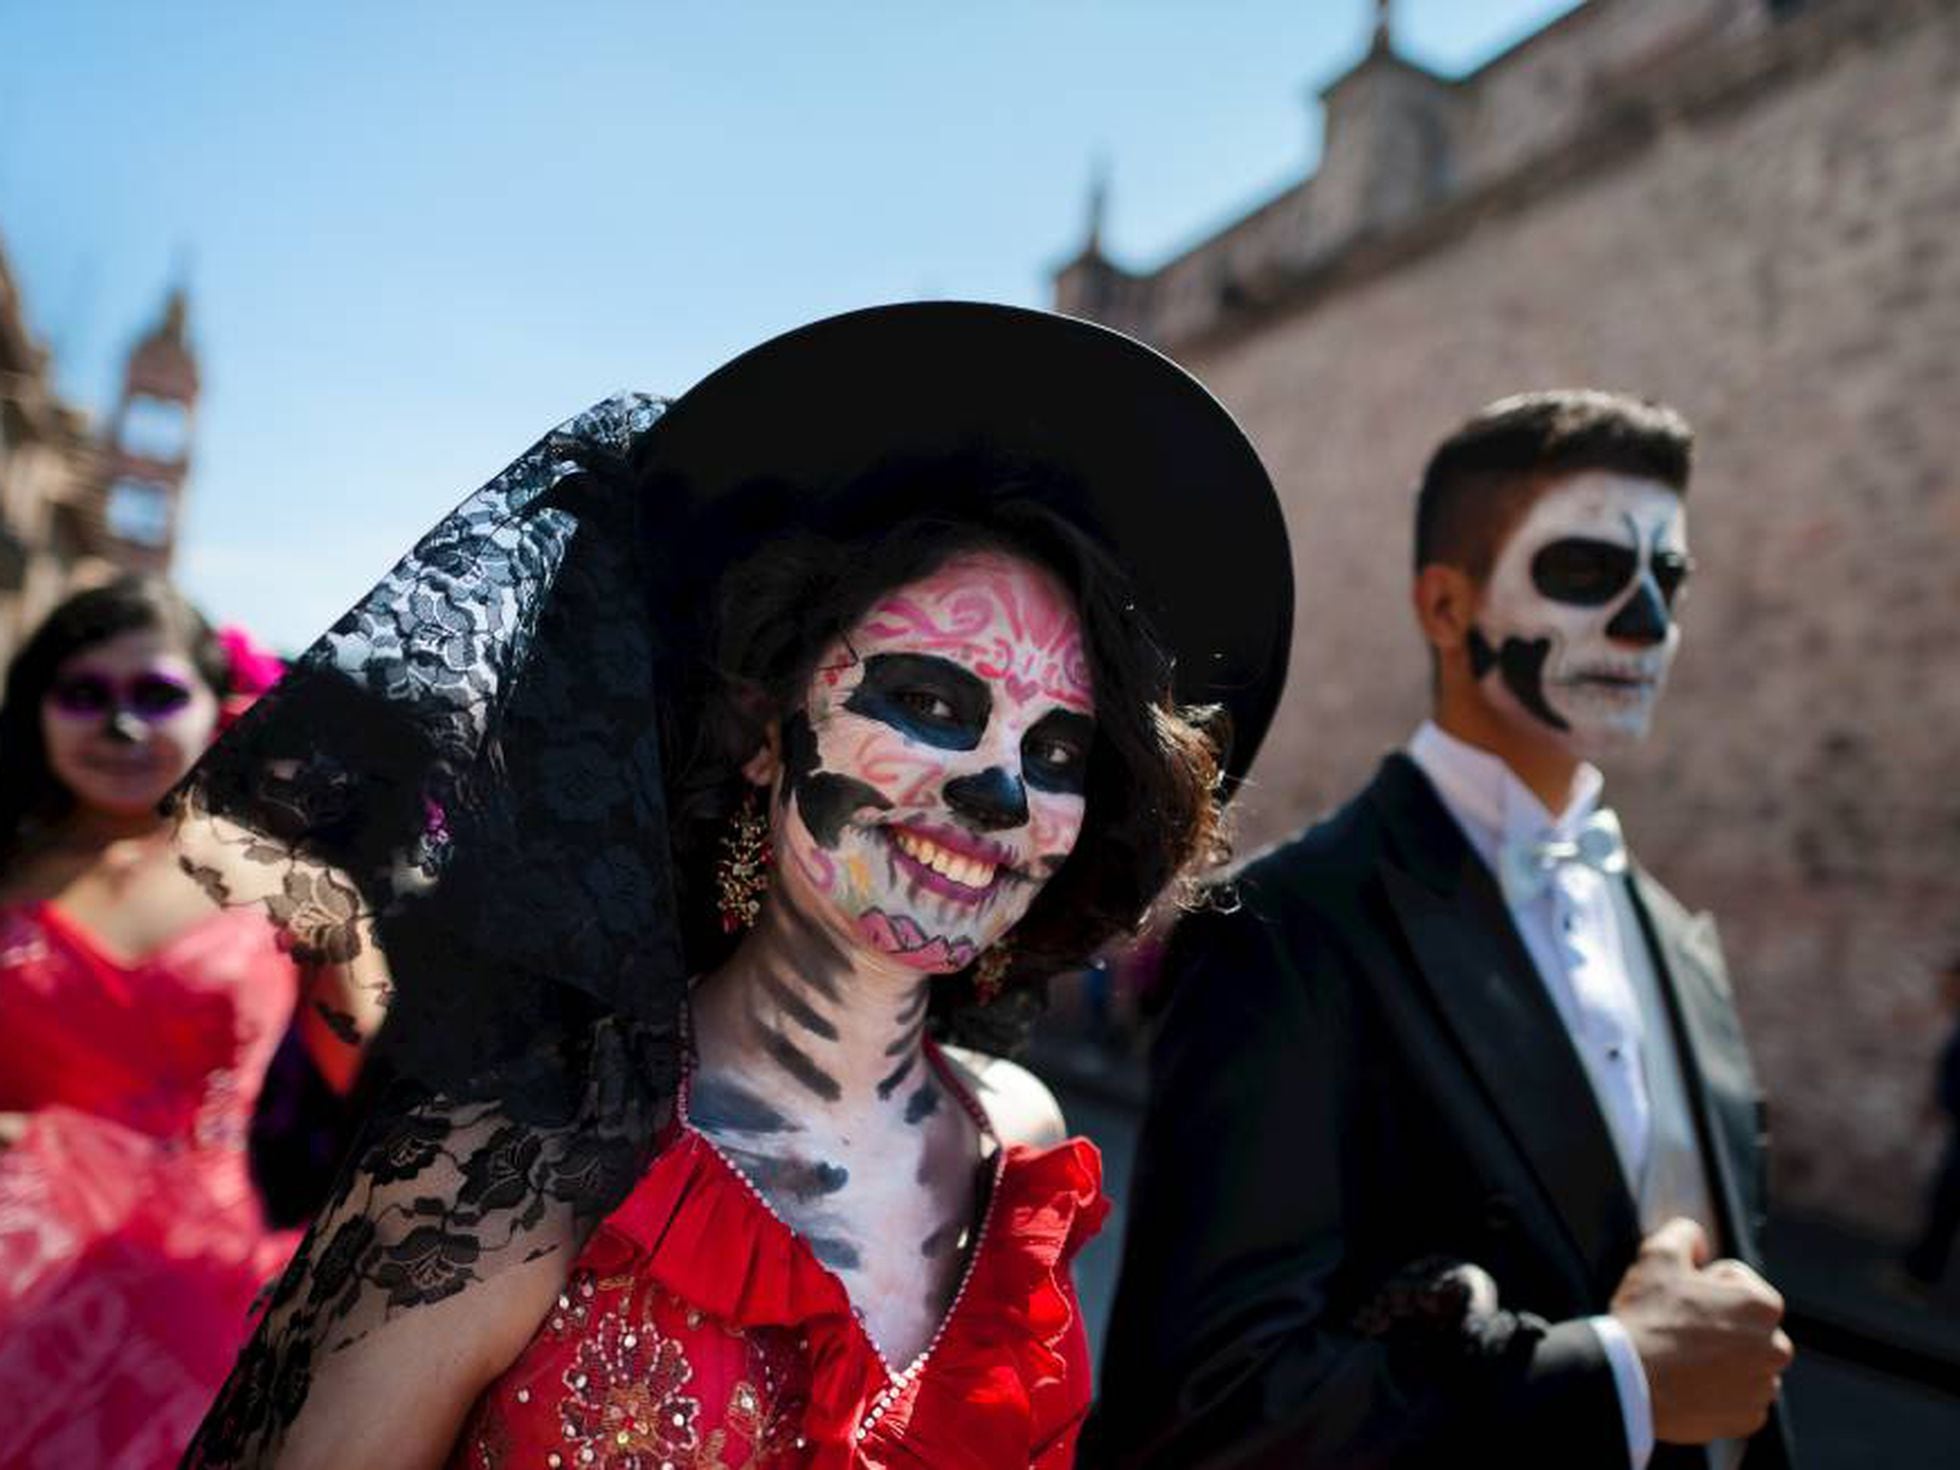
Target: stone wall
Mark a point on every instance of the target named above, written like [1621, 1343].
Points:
[1399, 140]
[1543, 90]
[46, 475]
[1780, 260]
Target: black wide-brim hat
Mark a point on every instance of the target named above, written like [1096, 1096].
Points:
[1144, 459]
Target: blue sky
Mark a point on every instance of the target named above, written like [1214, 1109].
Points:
[418, 234]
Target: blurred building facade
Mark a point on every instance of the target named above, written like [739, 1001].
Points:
[77, 505]
[1750, 209]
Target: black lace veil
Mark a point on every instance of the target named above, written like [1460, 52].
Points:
[462, 780]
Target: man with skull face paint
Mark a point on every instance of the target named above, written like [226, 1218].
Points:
[1451, 1114]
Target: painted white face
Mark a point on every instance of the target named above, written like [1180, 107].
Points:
[1577, 629]
[936, 769]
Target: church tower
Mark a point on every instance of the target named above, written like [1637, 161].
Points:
[1091, 284]
[148, 445]
[1390, 130]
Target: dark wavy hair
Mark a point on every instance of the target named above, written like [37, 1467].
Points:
[1152, 812]
[32, 797]
[1484, 476]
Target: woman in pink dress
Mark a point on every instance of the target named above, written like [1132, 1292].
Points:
[135, 1027]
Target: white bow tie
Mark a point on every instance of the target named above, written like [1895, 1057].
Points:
[1526, 864]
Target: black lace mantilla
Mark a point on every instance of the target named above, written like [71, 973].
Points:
[461, 780]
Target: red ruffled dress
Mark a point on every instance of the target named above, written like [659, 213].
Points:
[131, 1238]
[699, 1332]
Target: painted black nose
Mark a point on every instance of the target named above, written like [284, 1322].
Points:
[1643, 619]
[990, 801]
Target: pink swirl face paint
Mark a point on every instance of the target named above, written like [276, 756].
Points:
[934, 776]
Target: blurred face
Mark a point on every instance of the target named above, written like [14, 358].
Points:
[1576, 628]
[933, 779]
[124, 720]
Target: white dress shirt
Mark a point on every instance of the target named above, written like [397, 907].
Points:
[1572, 931]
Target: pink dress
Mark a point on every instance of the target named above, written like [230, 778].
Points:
[131, 1239]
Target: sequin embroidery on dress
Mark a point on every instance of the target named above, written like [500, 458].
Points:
[630, 1397]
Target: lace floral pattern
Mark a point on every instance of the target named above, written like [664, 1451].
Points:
[461, 778]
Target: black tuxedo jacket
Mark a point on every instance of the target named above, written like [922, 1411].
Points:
[1361, 1068]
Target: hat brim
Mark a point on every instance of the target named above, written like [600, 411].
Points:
[1169, 483]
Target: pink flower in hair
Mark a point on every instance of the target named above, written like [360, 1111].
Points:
[253, 667]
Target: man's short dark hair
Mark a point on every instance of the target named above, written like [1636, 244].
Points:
[1482, 477]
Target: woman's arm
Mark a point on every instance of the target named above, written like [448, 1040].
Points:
[341, 1007]
[401, 1395]
[422, 1280]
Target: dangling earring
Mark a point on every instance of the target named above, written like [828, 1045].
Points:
[742, 875]
[990, 972]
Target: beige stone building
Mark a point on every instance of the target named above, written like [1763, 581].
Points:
[1749, 209]
[77, 506]
[45, 468]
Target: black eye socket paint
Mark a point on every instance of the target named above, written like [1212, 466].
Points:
[1055, 752]
[931, 700]
[1582, 571]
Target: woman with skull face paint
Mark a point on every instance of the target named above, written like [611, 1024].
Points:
[135, 1031]
[723, 781]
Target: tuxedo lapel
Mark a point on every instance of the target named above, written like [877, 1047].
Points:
[1721, 1088]
[1714, 1064]
[1482, 982]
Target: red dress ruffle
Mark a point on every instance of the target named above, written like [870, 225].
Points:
[698, 1330]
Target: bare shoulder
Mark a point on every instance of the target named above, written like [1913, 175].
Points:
[394, 1387]
[1019, 1103]
[402, 1393]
